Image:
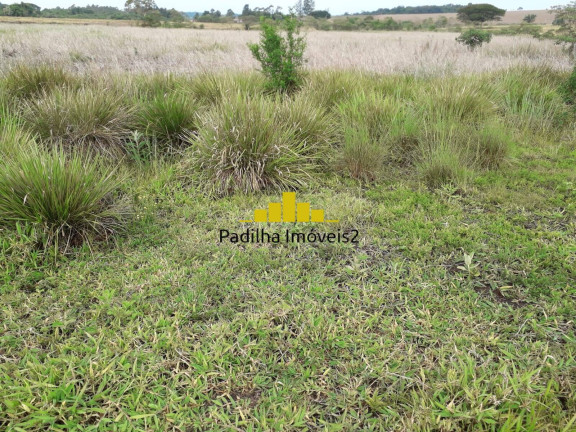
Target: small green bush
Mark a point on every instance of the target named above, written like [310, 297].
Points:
[251, 144]
[568, 88]
[474, 38]
[90, 117]
[281, 57]
[67, 196]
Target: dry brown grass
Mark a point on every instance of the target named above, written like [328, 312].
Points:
[511, 17]
[98, 48]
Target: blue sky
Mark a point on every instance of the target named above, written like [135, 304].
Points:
[336, 7]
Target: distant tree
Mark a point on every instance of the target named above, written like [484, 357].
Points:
[474, 38]
[140, 7]
[246, 10]
[307, 6]
[565, 17]
[530, 18]
[480, 13]
[320, 14]
[298, 8]
[22, 10]
[230, 13]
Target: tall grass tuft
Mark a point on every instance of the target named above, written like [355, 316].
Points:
[26, 82]
[67, 196]
[360, 156]
[167, 118]
[90, 118]
[248, 144]
[13, 139]
[329, 88]
[490, 146]
[209, 88]
[530, 99]
[455, 101]
[443, 155]
[375, 129]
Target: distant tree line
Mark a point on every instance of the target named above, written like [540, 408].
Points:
[449, 8]
[136, 10]
[251, 16]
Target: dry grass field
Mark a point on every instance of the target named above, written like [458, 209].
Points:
[511, 17]
[97, 48]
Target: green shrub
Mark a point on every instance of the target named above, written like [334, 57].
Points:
[26, 82]
[68, 197]
[92, 118]
[167, 118]
[474, 38]
[251, 144]
[281, 58]
[568, 88]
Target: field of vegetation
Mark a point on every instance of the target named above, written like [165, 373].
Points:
[124, 153]
[100, 49]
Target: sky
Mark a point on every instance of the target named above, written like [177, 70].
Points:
[336, 7]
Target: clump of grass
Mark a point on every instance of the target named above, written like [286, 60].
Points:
[167, 118]
[441, 166]
[455, 101]
[361, 156]
[373, 129]
[444, 155]
[329, 88]
[491, 145]
[403, 137]
[91, 118]
[148, 86]
[13, 139]
[530, 100]
[209, 88]
[26, 82]
[67, 196]
[310, 123]
[248, 145]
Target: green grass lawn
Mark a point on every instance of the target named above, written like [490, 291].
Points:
[454, 312]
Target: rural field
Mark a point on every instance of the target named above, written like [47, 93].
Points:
[130, 156]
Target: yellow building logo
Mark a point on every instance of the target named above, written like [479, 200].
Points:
[289, 211]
